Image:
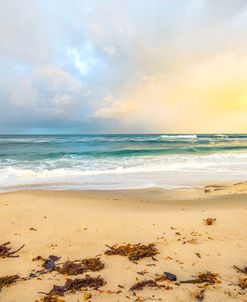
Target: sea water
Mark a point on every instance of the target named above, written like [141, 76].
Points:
[86, 162]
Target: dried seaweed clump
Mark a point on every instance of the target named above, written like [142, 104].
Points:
[8, 280]
[146, 283]
[5, 250]
[81, 266]
[151, 283]
[210, 221]
[72, 286]
[243, 283]
[51, 299]
[133, 251]
[207, 277]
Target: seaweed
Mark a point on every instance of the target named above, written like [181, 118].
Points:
[8, 280]
[241, 270]
[207, 277]
[243, 283]
[210, 221]
[150, 283]
[155, 282]
[133, 251]
[81, 266]
[200, 295]
[72, 286]
[75, 267]
[146, 283]
[51, 299]
[5, 250]
[49, 265]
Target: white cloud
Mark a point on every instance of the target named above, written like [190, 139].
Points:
[50, 92]
[73, 59]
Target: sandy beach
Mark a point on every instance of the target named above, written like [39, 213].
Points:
[76, 225]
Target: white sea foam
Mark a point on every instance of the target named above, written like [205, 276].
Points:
[180, 136]
[108, 173]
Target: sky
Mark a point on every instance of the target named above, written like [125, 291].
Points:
[123, 66]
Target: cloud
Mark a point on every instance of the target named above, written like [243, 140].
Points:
[51, 92]
[128, 66]
[204, 94]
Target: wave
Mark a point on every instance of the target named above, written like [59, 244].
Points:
[112, 173]
[111, 139]
[179, 136]
[139, 160]
[143, 152]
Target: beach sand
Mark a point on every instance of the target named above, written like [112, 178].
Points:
[76, 225]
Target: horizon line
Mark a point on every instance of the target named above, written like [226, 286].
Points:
[160, 133]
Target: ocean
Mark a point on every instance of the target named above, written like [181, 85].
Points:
[85, 162]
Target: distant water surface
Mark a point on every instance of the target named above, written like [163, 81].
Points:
[120, 161]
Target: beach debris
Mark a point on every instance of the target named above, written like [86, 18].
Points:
[207, 277]
[241, 270]
[151, 283]
[6, 250]
[156, 282]
[87, 296]
[200, 295]
[170, 276]
[133, 251]
[81, 266]
[210, 221]
[198, 255]
[146, 283]
[191, 241]
[142, 273]
[75, 267]
[51, 299]
[48, 263]
[242, 282]
[72, 286]
[6, 281]
[33, 229]
[120, 286]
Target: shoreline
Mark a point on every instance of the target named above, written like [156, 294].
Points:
[79, 224]
[193, 192]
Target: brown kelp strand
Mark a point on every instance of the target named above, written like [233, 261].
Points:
[207, 277]
[241, 270]
[7, 252]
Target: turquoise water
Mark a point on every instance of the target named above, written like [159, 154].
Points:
[120, 161]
